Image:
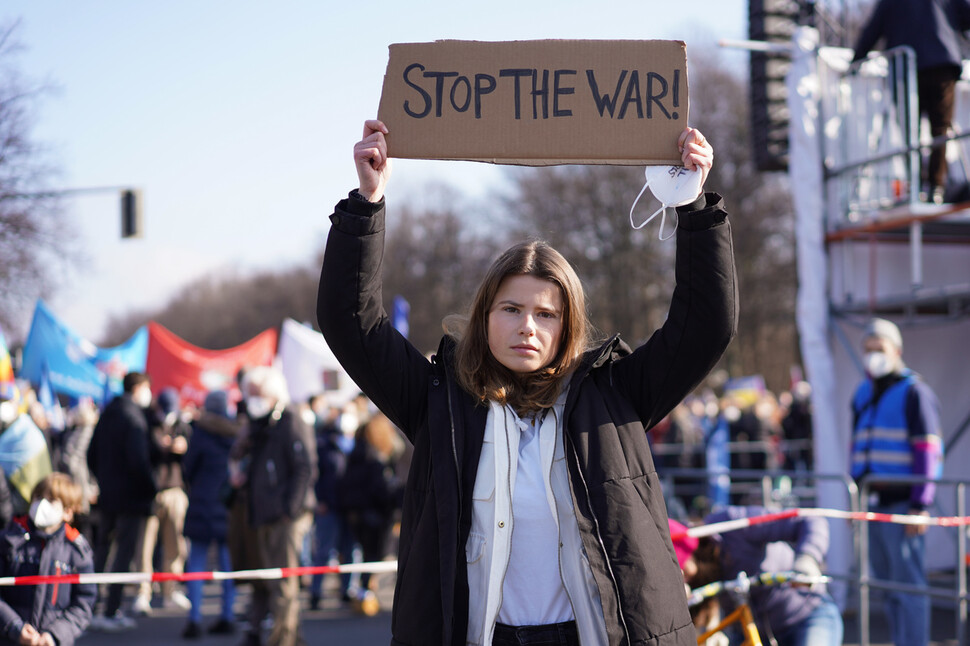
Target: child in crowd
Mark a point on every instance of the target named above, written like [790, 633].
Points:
[44, 543]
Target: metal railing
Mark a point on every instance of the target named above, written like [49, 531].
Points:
[873, 159]
[866, 582]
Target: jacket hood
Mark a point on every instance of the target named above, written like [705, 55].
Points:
[218, 425]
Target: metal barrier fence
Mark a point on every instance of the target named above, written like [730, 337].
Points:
[958, 593]
[873, 161]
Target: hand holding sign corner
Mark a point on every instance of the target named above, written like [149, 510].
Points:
[696, 152]
[373, 164]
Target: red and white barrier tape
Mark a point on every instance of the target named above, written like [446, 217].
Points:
[147, 577]
[391, 566]
[902, 519]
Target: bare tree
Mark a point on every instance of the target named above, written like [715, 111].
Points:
[34, 236]
[221, 312]
[435, 260]
[762, 219]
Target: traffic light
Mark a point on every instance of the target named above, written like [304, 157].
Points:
[772, 21]
[131, 214]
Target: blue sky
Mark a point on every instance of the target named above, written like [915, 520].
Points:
[237, 119]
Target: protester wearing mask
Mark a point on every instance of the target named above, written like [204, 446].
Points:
[120, 457]
[279, 484]
[44, 543]
[896, 431]
[205, 470]
[169, 435]
[331, 533]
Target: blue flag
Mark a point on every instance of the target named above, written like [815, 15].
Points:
[47, 399]
[76, 367]
[400, 314]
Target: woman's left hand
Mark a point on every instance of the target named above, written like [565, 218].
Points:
[696, 152]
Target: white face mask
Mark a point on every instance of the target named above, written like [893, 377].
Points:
[673, 186]
[309, 417]
[46, 514]
[258, 407]
[142, 398]
[349, 421]
[878, 364]
[8, 412]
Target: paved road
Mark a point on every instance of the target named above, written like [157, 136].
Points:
[338, 624]
[333, 624]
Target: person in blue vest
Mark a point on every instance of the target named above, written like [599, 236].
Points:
[896, 431]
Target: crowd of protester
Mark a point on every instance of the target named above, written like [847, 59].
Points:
[718, 430]
[249, 480]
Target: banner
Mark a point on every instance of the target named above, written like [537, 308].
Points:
[537, 102]
[24, 459]
[77, 367]
[193, 371]
[308, 364]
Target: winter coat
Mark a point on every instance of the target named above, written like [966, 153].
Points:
[205, 469]
[120, 458]
[62, 609]
[613, 397]
[168, 463]
[282, 468]
[331, 463]
[369, 491]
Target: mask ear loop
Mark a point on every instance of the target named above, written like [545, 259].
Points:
[663, 217]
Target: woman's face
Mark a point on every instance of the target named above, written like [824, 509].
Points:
[525, 323]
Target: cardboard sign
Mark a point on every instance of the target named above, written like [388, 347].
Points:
[537, 103]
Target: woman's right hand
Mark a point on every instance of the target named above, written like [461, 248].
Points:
[373, 165]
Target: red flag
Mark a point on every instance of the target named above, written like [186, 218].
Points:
[195, 371]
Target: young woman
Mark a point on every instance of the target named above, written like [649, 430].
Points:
[532, 511]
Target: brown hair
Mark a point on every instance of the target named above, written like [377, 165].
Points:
[709, 560]
[59, 486]
[480, 373]
[380, 434]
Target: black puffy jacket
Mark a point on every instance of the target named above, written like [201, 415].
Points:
[613, 398]
[121, 458]
[282, 468]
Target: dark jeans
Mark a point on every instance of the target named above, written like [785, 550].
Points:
[124, 532]
[372, 531]
[564, 634]
[331, 533]
[937, 89]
